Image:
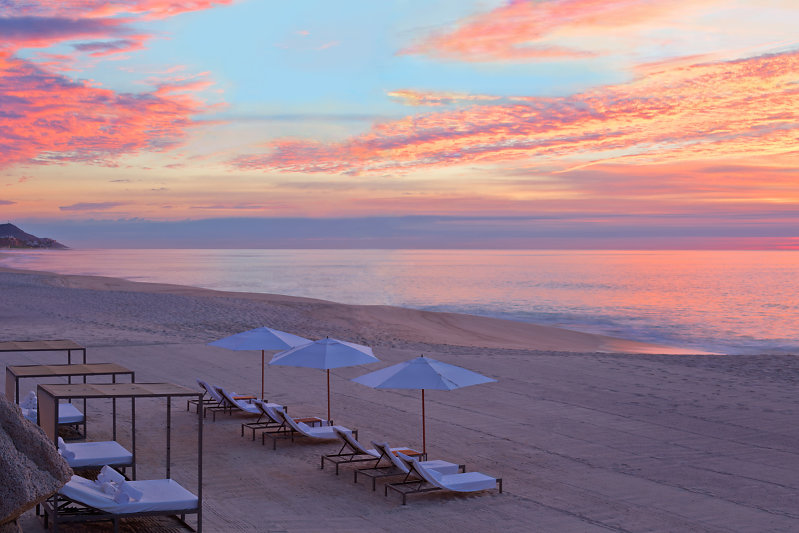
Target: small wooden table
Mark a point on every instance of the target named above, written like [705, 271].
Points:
[409, 452]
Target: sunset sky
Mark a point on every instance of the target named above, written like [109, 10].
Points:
[402, 123]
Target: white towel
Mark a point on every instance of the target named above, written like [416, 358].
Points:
[109, 488]
[109, 475]
[127, 493]
[30, 401]
[67, 454]
[30, 414]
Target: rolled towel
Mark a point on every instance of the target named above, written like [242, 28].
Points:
[66, 453]
[109, 475]
[30, 414]
[127, 493]
[30, 401]
[109, 488]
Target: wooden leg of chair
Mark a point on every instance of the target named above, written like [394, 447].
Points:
[499, 481]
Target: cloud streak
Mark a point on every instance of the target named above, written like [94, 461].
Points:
[711, 111]
[91, 206]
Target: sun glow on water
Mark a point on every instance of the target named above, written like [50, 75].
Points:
[724, 301]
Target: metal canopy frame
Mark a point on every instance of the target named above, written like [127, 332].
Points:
[15, 373]
[50, 395]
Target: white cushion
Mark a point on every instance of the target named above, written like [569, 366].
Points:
[157, 495]
[69, 414]
[97, 454]
[467, 482]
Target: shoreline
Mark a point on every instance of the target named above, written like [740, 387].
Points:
[412, 325]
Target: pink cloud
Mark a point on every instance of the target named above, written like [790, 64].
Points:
[106, 8]
[702, 111]
[45, 117]
[520, 29]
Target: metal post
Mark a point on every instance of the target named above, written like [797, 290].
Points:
[328, 394]
[199, 467]
[168, 432]
[424, 437]
[133, 431]
[114, 409]
[262, 375]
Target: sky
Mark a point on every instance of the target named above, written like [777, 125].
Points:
[594, 124]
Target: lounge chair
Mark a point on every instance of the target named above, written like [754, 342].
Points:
[430, 480]
[396, 467]
[207, 400]
[82, 500]
[95, 454]
[235, 403]
[229, 402]
[217, 402]
[68, 415]
[290, 427]
[352, 451]
[269, 419]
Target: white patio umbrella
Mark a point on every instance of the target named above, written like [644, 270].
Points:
[260, 339]
[422, 373]
[325, 354]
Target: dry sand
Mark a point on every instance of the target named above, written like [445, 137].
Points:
[652, 439]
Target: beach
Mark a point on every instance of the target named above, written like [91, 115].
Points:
[588, 433]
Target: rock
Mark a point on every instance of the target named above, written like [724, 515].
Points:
[10, 527]
[31, 469]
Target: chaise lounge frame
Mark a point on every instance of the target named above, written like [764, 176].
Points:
[418, 485]
[61, 509]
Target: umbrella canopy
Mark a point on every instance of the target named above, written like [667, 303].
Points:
[260, 339]
[422, 373]
[325, 354]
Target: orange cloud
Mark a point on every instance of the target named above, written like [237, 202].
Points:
[45, 117]
[702, 111]
[520, 29]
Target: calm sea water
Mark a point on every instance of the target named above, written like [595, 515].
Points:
[737, 302]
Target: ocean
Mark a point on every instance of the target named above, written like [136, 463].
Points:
[735, 302]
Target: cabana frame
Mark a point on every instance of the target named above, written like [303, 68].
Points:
[62, 345]
[48, 399]
[15, 373]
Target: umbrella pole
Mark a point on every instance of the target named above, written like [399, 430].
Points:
[328, 394]
[262, 375]
[424, 437]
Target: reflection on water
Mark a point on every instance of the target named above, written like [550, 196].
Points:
[732, 301]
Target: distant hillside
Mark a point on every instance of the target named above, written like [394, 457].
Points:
[13, 237]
